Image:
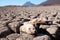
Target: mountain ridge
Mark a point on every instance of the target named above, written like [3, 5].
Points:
[50, 2]
[28, 4]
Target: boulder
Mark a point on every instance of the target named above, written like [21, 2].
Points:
[44, 37]
[12, 36]
[52, 29]
[25, 37]
[14, 26]
[3, 39]
[44, 26]
[4, 31]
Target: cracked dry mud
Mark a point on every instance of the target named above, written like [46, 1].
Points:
[11, 18]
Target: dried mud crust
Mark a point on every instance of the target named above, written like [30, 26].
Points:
[12, 18]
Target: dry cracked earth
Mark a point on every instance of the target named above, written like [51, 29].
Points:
[11, 18]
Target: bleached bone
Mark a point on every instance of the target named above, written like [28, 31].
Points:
[38, 20]
[28, 28]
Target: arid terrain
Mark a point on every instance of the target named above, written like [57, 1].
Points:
[50, 2]
[11, 18]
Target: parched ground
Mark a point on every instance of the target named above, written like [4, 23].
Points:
[11, 19]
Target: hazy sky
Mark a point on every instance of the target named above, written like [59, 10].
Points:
[18, 2]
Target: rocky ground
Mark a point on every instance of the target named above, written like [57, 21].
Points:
[11, 18]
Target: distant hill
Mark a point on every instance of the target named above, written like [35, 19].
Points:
[13, 6]
[50, 2]
[28, 4]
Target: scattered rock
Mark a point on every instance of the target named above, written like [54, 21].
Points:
[52, 29]
[14, 26]
[44, 37]
[58, 25]
[58, 33]
[11, 18]
[51, 18]
[3, 39]
[25, 37]
[44, 26]
[12, 36]
[4, 31]
[4, 23]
